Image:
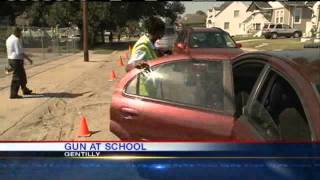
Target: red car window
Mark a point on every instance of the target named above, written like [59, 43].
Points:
[278, 112]
[198, 84]
[211, 40]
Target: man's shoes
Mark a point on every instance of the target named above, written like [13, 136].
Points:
[27, 92]
[16, 97]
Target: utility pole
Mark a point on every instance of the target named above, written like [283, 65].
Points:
[85, 30]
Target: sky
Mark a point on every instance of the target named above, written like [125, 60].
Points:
[193, 6]
[203, 5]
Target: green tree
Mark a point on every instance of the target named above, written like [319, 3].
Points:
[102, 15]
[201, 13]
[13, 9]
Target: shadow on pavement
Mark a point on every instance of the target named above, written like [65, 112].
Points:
[100, 61]
[115, 45]
[56, 95]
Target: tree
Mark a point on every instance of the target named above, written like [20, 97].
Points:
[201, 13]
[13, 9]
[39, 13]
[173, 10]
[102, 15]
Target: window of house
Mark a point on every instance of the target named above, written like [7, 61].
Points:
[209, 22]
[297, 15]
[236, 13]
[226, 25]
[279, 16]
[257, 26]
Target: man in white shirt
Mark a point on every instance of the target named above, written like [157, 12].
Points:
[16, 58]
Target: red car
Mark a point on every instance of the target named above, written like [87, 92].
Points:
[257, 96]
[213, 40]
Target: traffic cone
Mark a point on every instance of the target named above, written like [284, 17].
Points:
[121, 62]
[113, 76]
[84, 130]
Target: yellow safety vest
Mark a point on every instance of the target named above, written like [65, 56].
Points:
[146, 87]
[144, 44]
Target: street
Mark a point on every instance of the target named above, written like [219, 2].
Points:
[65, 88]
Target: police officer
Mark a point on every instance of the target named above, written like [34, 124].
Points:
[144, 49]
[16, 56]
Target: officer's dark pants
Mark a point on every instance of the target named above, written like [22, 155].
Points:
[19, 78]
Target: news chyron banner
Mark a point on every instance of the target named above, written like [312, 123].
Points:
[90, 149]
[158, 160]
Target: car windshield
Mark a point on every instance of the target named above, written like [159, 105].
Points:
[211, 40]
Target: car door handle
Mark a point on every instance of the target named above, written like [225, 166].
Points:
[129, 113]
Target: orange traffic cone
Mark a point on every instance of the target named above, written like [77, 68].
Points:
[113, 76]
[121, 62]
[84, 130]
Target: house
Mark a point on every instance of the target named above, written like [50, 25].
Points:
[211, 14]
[194, 20]
[231, 16]
[261, 13]
[296, 14]
[315, 19]
[23, 20]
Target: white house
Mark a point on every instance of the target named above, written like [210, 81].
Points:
[261, 15]
[231, 17]
[211, 14]
[315, 20]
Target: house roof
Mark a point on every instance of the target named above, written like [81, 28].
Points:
[250, 17]
[224, 6]
[261, 5]
[227, 3]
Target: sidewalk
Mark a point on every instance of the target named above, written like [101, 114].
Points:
[64, 88]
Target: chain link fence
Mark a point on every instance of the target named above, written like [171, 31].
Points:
[42, 44]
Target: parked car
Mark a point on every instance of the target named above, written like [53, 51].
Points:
[277, 30]
[257, 96]
[191, 40]
[165, 44]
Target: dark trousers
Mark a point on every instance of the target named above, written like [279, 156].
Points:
[19, 78]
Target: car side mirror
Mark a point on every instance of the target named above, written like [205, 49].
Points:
[181, 45]
[238, 45]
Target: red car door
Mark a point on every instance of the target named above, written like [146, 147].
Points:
[179, 100]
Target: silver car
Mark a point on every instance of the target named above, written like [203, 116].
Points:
[276, 30]
[166, 43]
